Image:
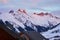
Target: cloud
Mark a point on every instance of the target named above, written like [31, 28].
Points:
[37, 4]
[4, 1]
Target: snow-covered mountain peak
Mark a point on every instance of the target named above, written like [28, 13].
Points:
[44, 14]
[36, 18]
[22, 11]
[41, 19]
[41, 22]
[45, 17]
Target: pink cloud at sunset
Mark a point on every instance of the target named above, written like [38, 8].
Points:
[4, 1]
[48, 5]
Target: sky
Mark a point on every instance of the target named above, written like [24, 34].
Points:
[46, 5]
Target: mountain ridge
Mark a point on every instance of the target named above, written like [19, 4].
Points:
[39, 22]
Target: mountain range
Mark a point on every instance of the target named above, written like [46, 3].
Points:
[45, 23]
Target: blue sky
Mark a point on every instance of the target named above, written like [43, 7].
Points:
[48, 5]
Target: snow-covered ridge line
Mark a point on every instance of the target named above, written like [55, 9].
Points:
[42, 18]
